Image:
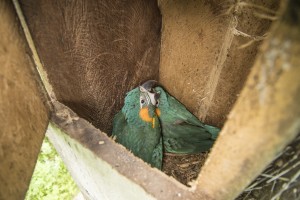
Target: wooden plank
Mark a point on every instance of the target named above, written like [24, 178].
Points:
[23, 111]
[95, 51]
[96, 178]
[104, 169]
[266, 116]
[74, 50]
[201, 63]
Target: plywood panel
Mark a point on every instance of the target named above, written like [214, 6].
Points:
[95, 51]
[23, 114]
[201, 63]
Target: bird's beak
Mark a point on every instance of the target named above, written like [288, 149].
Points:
[149, 85]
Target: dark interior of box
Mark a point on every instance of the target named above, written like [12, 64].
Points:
[96, 51]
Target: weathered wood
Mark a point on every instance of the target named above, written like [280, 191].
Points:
[200, 62]
[74, 38]
[104, 169]
[266, 116]
[96, 178]
[23, 113]
[95, 51]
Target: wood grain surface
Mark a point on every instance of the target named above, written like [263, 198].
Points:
[23, 108]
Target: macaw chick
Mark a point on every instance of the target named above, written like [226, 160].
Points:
[182, 132]
[137, 127]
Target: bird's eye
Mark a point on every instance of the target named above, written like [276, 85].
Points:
[157, 103]
[142, 101]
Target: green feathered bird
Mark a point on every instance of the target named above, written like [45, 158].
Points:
[182, 132]
[137, 127]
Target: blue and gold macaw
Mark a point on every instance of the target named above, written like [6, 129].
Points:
[137, 127]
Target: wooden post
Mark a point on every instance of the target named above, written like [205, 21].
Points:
[266, 116]
[23, 113]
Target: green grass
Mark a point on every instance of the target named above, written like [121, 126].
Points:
[51, 179]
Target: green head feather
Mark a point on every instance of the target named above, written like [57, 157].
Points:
[132, 105]
[134, 101]
[163, 97]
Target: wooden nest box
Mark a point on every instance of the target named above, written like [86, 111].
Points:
[88, 54]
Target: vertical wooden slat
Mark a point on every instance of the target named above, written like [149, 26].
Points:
[23, 112]
[95, 51]
[266, 116]
[201, 63]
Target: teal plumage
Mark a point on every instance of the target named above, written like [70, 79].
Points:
[182, 132]
[137, 127]
[152, 122]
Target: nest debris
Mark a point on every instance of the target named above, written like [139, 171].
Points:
[280, 180]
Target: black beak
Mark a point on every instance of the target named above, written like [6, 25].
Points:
[149, 85]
